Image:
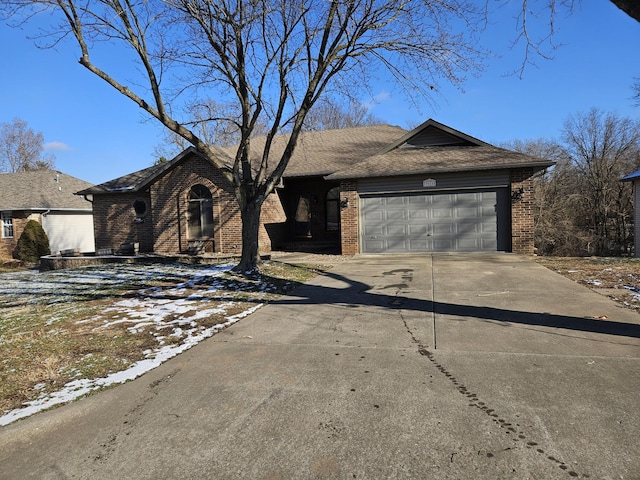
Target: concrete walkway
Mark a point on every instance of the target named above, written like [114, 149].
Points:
[429, 367]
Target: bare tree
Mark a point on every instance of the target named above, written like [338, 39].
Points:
[273, 58]
[554, 199]
[214, 122]
[603, 148]
[21, 148]
[328, 115]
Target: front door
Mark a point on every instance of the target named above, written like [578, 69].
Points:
[303, 217]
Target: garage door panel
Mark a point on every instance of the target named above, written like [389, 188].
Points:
[372, 216]
[418, 200]
[446, 213]
[464, 221]
[395, 201]
[420, 245]
[443, 244]
[397, 214]
[374, 230]
[397, 231]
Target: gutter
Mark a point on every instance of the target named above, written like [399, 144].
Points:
[46, 210]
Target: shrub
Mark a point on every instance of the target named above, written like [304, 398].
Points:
[33, 243]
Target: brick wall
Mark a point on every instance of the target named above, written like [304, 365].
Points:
[115, 221]
[8, 245]
[170, 197]
[349, 217]
[163, 227]
[273, 221]
[522, 238]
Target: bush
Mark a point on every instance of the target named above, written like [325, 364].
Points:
[33, 243]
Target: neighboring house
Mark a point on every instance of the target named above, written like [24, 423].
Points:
[48, 197]
[634, 178]
[372, 189]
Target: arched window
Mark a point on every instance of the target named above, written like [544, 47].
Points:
[333, 209]
[200, 212]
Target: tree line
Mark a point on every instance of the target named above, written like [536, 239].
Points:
[581, 206]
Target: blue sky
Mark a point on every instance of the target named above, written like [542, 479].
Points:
[96, 134]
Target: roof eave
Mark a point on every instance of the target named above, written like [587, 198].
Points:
[45, 209]
[537, 166]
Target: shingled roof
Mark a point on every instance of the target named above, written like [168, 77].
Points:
[42, 190]
[360, 152]
[323, 152]
[435, 148]
[317, 153]
[136, 181]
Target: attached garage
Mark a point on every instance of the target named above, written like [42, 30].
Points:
[438, 190]
[444, 222]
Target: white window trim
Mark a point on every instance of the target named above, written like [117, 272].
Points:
[7, 224]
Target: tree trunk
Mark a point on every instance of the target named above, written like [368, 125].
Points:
[250, 258]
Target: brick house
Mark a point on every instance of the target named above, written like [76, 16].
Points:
[47, 196]
[372, 189]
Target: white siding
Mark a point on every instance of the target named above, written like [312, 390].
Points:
[67, 231]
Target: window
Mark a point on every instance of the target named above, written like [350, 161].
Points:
[333, 209]
[140, 207]
[200, 212]
[7, 225]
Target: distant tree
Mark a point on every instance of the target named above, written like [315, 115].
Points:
[554, 200]
[603, 147]
[33, 243]
[21, 148]
[216, 123]
[580, 205]
[328, 114]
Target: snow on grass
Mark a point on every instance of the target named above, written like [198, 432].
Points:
[186, 295]
[81, 387]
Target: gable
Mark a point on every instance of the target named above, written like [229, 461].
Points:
[432, 136]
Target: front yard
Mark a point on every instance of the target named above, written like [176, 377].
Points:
[67, 333]
[617, 278]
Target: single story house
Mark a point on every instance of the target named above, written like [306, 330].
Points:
[47, 196]
[372, 189]
[634, 178]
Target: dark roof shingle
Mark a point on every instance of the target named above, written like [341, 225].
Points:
[41, 190]
[360, 152]
[420, 160]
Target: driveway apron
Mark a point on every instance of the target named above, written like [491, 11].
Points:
[396, 366]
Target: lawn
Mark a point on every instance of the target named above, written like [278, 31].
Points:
[616, 277]
[67, 333]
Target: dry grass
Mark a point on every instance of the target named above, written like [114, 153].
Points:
[51, 337]
[618, 278]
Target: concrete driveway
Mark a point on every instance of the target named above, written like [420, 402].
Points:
[430, 366]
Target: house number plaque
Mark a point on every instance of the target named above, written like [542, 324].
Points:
[429, 182]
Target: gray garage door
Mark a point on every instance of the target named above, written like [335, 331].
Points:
[452, 222]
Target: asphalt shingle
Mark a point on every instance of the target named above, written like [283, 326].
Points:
[41, 190]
